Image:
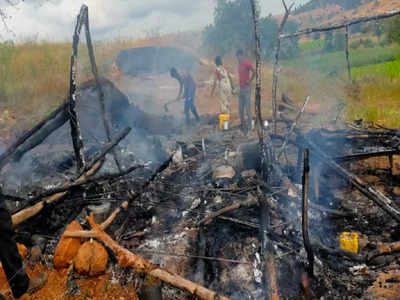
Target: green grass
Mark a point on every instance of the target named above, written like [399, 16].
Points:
[335, 63]
[390, 69]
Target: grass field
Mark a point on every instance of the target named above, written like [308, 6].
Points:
[34, 78]
[335, 63]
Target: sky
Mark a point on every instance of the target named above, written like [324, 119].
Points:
[54, 19]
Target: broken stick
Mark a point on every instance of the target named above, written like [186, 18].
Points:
[129, 259]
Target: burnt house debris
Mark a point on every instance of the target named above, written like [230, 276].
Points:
[214, 214]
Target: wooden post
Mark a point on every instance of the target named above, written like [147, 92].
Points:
[77, 140]
[306, 238]
[276, 64]
[100, 92]
[347, 53]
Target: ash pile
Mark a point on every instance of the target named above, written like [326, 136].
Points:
[204, 220]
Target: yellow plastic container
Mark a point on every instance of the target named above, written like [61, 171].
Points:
[222, 118]
[349, 241]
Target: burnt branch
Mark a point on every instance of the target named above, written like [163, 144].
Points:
[276, 64]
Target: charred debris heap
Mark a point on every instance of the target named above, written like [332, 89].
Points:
[226, 216]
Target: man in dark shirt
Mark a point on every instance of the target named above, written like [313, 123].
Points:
[188, 86]
[11, 260]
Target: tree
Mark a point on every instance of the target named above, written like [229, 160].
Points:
[233, 28]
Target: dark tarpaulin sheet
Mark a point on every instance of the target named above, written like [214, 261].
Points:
[137, 61]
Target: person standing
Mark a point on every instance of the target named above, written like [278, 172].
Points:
[223, 82]
[245, 79]
[11, 260]
[188, 86]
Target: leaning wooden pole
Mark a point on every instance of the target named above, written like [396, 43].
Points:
[8, 154]
[100, 91]
[77, 140]
[306, 237]
[276, 64]
[348, 53]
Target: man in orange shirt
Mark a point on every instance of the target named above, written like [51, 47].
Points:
[245, 68]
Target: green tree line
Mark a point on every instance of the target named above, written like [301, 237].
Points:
[233, 28]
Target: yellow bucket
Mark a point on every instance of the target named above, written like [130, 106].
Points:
[222, 118]
[349, 241]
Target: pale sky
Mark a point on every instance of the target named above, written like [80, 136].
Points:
[54, 19]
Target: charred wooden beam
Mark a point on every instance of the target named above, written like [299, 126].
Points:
[8, 154]
[276, 64]
[100, 91]
[77, 140]
[341, 25]
[306, 238]
[375, 195]
[361, 156]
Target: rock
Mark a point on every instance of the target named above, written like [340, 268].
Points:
[248, 173]
[67, 247]
[91, 259]
[224, 171]
[23, 251]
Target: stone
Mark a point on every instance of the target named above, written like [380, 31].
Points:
[224, 171]
[91, 259]
[67, 247]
